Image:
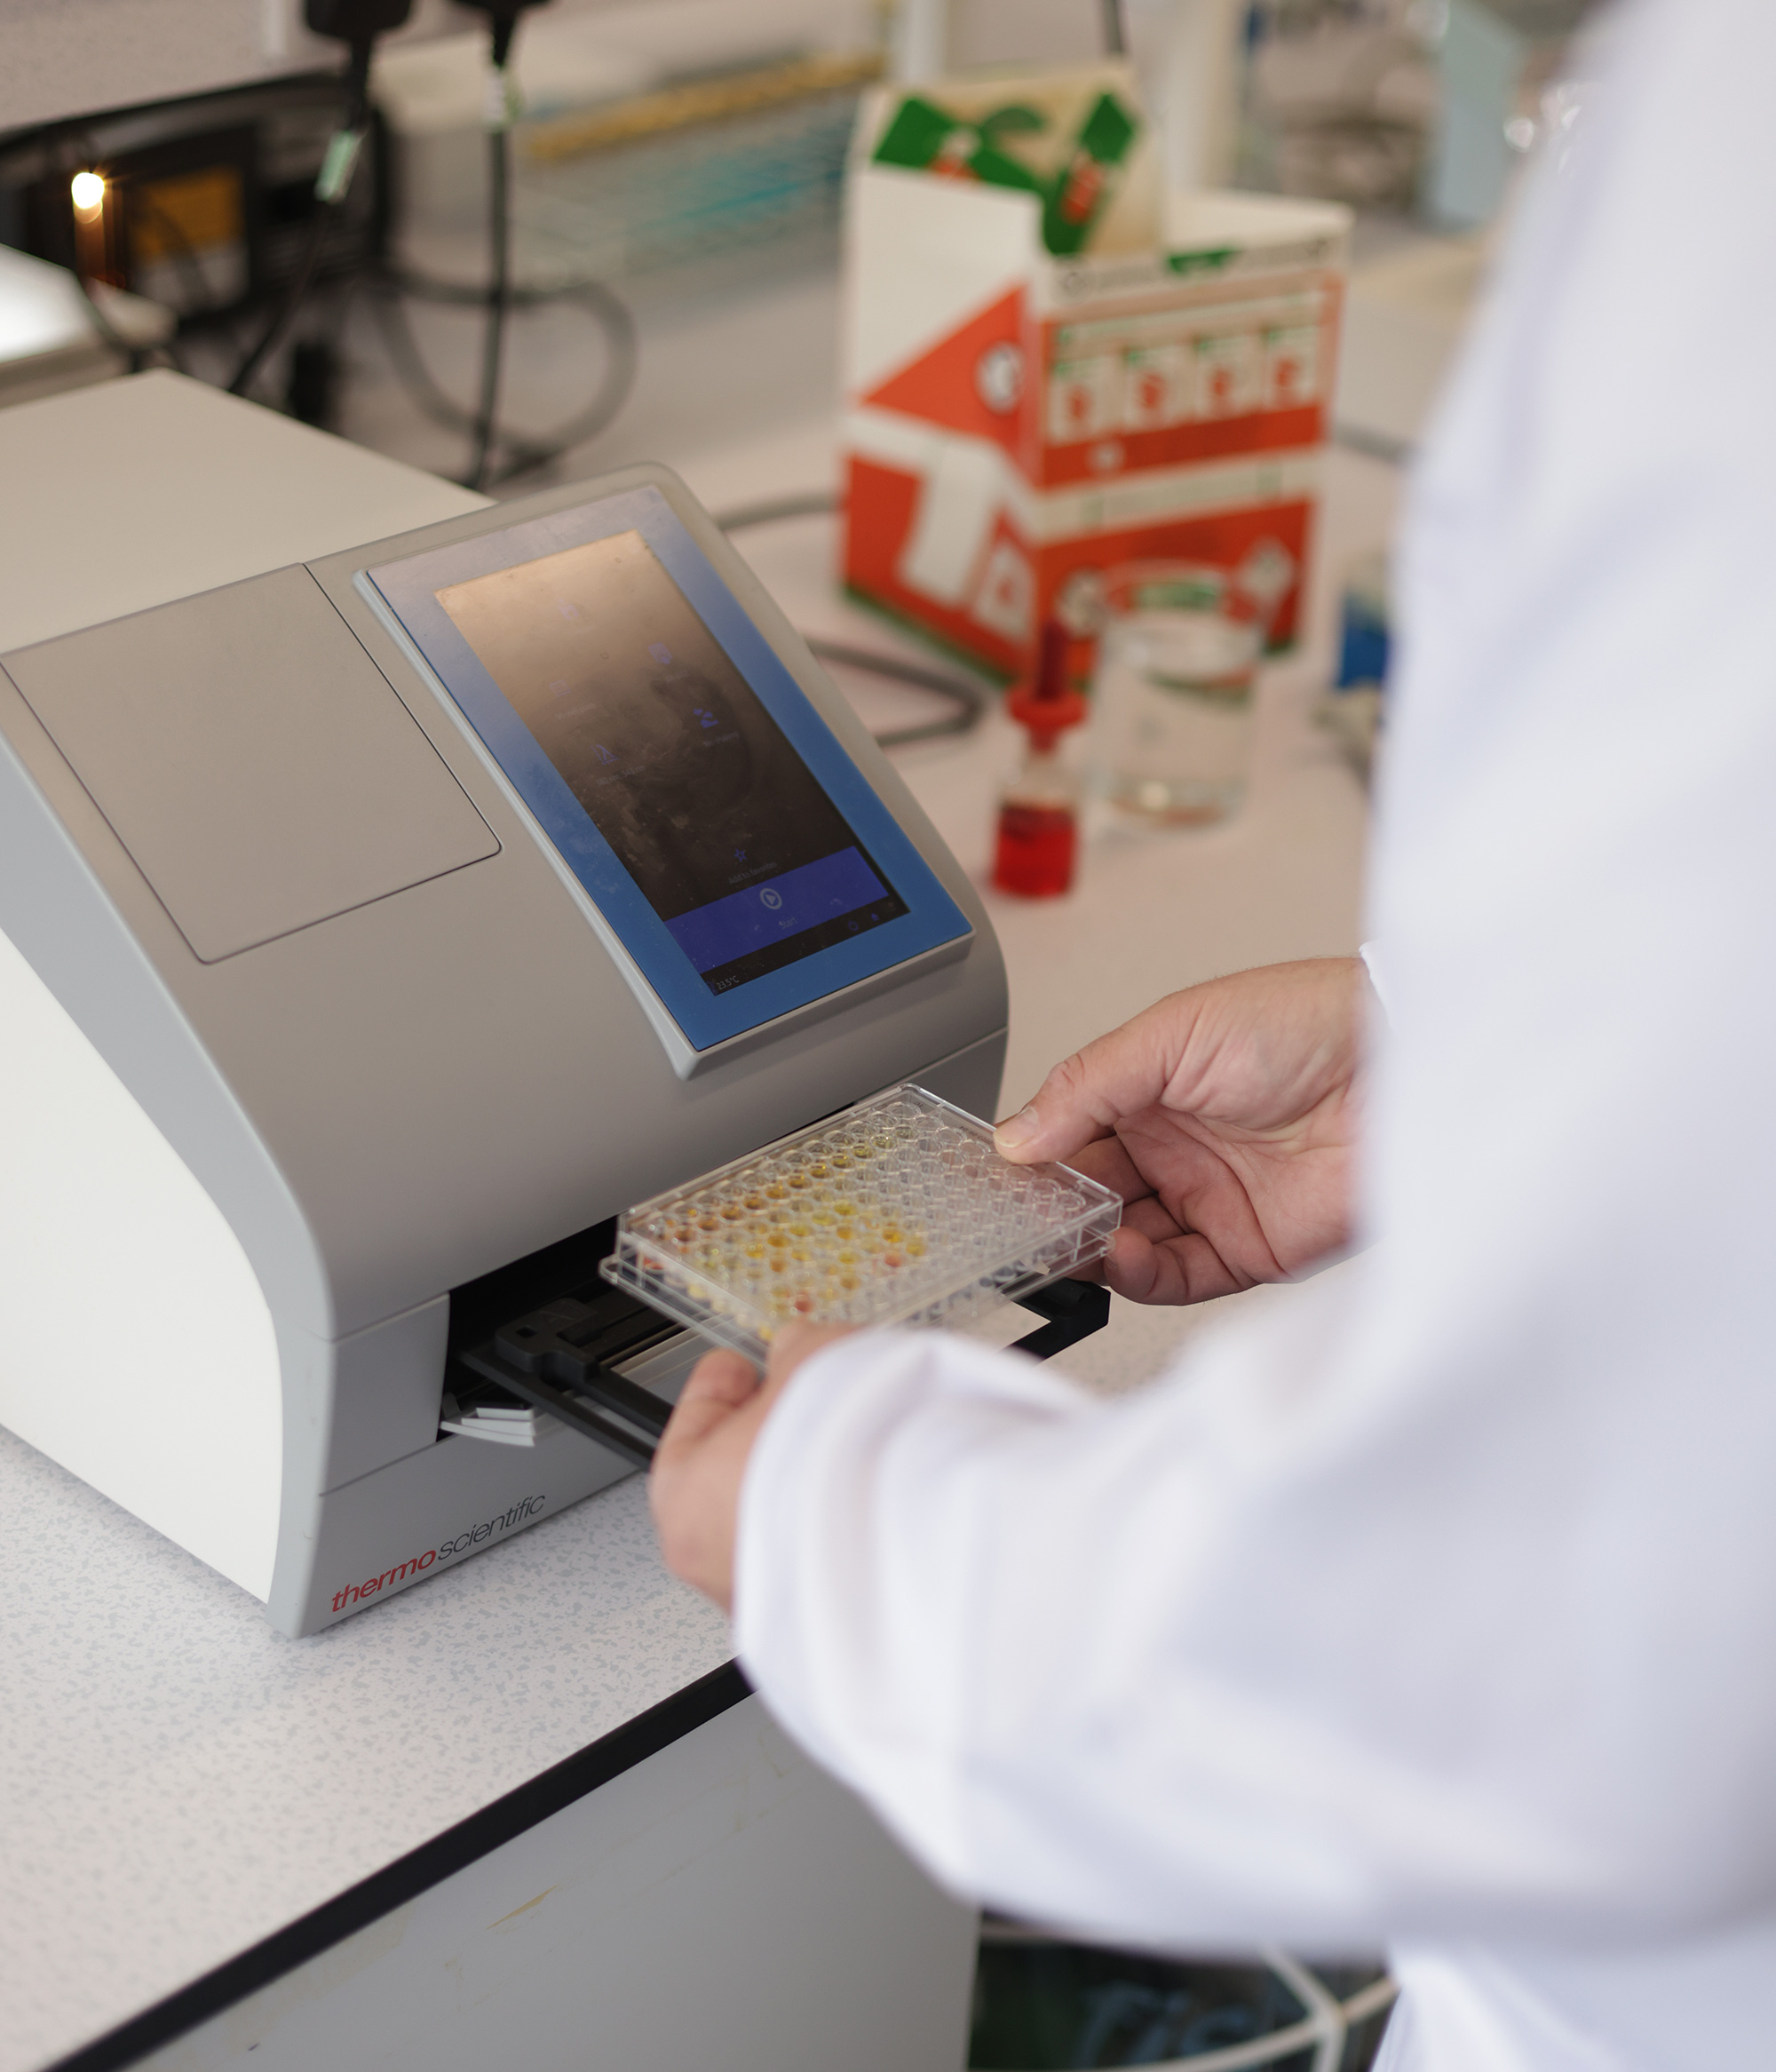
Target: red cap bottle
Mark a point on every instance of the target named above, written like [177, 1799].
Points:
[1038, 845]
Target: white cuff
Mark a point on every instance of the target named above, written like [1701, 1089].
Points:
[1371, 955]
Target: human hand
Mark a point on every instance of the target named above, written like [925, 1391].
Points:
[1226, 1118]
[693, 1488]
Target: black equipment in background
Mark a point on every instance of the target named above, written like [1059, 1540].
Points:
[357, 24]
[221, 208]
[209, 202]
[503, 22]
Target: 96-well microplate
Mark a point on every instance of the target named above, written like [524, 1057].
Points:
[898, 1211]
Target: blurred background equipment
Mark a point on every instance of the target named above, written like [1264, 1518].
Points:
[208, 203]
[1041, 2004]
[647, 139]
[48, 338]
[1339, 101]
[1397, 105]
[686, 140]
[358, 24]
[675, 153]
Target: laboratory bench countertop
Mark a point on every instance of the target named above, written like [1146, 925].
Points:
[178, 1784]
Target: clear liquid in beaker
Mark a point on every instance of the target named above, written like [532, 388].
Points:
[1173, 728]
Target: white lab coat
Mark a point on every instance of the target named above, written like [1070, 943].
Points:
[1439, 1609]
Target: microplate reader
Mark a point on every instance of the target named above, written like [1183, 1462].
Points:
[413, 912]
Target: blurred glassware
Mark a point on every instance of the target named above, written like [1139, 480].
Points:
[1340, 98]
[1400, 106]
[1171, 732]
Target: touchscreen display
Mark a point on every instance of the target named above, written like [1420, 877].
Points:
[731, 840]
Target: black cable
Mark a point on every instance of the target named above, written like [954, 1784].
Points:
[388, 308]
[135, 357]
[1374, 445]
[1116, 37]
[283, 317]
[392, 288]
[499, 295]
[331, 190]
[814, 504]
[185, 257]
[499, 298]
[502, 106]
[970, 699]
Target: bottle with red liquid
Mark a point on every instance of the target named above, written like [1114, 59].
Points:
[1038, 845]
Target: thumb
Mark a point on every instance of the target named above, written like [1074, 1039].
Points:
[1088, 1093]
[720, 1383]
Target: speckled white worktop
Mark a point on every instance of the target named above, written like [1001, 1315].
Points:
[178, 1782]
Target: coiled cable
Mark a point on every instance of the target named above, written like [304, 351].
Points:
[390, 289]
[969, 699]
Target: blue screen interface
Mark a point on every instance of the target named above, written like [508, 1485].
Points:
[725, 832]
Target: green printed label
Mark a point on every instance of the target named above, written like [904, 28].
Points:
[1202, 262]
[925, 138]
[1078, 196]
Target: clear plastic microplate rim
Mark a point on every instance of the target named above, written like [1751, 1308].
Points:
[896, 1211]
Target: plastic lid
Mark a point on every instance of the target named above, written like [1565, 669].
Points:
[1050, 705]
[898, 1211]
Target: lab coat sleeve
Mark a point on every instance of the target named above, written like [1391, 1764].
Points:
[1091, 1660]
[1274, 1651]
[1438, 1602]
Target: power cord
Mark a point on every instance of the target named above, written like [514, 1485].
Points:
[497, 456]
[812, 503]
[970, 700]
[499, 289]
[357, 24]
[391, 289]
[184, 257]
[503, 105]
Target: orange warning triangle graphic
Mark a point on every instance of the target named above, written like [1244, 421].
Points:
[973, 379]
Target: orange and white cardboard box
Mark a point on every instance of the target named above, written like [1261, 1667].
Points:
[1016, 425]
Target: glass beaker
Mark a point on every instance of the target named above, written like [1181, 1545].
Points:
[1171, 734]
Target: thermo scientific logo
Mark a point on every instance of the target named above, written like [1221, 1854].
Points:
[405, 1571]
